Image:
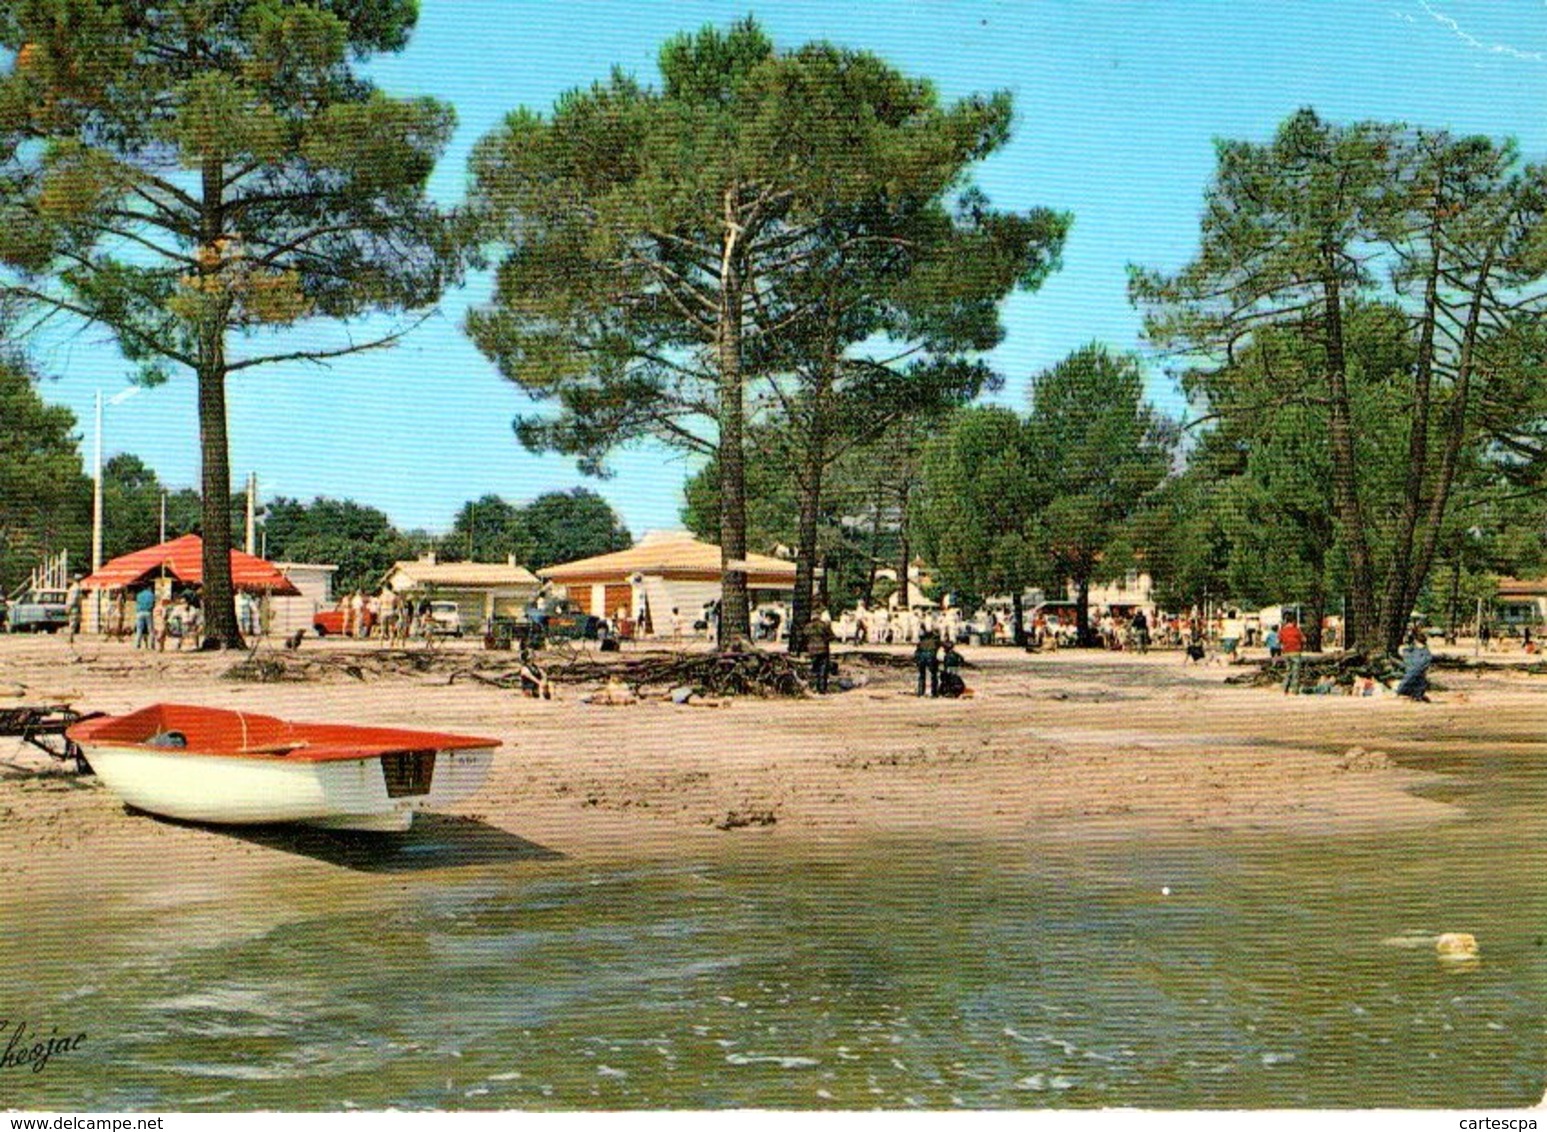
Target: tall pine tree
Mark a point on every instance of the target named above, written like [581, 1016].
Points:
[201, 176]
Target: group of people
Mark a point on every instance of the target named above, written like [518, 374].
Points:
[938, 660]
[1488, 640]
[163, 618]
[387, 616]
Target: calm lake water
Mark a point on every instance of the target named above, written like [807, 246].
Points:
[1055, 973]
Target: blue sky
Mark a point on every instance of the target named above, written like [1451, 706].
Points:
[1117, 104]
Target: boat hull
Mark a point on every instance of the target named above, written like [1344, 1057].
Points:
[236, 768]
[341, 794]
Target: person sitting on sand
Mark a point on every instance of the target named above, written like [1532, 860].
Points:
[534, 681]
[952, 686]
[1416, 658]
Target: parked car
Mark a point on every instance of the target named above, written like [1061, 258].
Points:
[445, 618]
[42, 611]
[330, 622]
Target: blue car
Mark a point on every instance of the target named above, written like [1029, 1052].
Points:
[42, 611]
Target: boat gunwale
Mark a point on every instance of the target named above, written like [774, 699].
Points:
[372, 744]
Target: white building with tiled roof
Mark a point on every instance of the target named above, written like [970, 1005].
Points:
[480, 589]
[662, 572]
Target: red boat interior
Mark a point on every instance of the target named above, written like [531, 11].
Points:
[216, 731]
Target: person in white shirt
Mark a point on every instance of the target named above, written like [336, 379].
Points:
[1230, 631]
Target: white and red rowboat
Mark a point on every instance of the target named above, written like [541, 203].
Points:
[232, 767]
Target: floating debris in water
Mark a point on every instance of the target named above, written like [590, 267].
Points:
[1458, 948]
[1456, 945]
[771, 1059]
[1037, 1083]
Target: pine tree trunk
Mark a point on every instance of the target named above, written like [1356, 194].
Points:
[1453, 605]
[735, 612]
[875, 555]
[1082, 612]
[1455, 441]
[1361, 628]
[220, 627]
[802, 608]
[813, 459]
[1398, 577]
[1318, 613]
[219, 605]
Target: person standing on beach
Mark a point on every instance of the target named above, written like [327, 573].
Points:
[1141, 631]
[926, 658]
[193, 623]
[1291, 638]
[387, 603]
[144, 607]
[72, 606]
[1229, 637]
[1292, 641]
[819, 645]
[161, 622]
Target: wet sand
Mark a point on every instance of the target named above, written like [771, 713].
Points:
[1063, 745]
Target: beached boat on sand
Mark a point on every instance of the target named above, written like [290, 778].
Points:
[233, 767]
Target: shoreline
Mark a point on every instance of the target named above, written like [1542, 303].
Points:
[1066, 745]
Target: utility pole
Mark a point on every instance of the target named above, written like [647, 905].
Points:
[96, 489]
[96, 494]
[163, 515]
[252, 492]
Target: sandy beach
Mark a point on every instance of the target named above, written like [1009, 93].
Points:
[1065, 744]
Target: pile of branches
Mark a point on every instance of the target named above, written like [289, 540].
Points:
[364, 664]
[1346, 667]
[748, 673]
[1343, 668]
